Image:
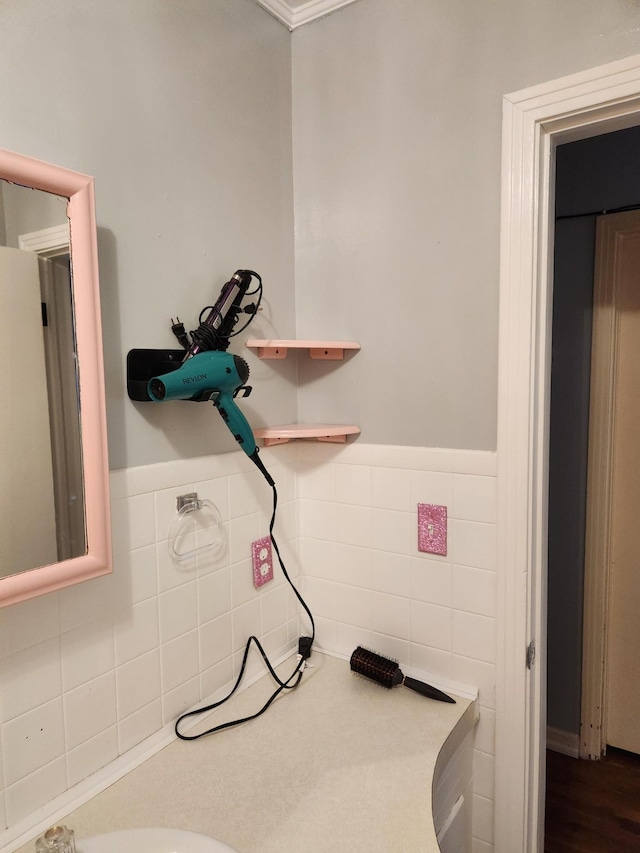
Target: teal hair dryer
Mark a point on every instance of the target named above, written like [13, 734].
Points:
[216, 376]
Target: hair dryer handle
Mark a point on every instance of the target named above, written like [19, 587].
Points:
[236, 421]
[427, 690]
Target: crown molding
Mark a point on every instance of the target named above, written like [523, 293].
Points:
[293, 17]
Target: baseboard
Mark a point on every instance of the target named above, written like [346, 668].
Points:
[567, 743]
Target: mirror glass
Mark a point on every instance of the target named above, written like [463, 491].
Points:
[54, 496]
[40, 429]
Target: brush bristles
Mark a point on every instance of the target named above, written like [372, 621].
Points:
[372, 665]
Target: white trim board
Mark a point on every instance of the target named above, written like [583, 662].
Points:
[296, 16]
[535, 120]
[566, 743]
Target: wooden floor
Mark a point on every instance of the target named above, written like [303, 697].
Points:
[593, 806]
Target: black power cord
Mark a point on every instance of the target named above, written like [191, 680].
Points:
[304, 644]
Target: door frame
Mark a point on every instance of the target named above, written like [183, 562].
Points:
[535, 121]
[599, 506]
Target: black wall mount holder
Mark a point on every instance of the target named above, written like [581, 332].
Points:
[144, 364]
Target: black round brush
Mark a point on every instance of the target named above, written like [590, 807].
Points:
[388, 673]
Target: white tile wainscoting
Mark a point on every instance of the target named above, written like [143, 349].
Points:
[93, 675]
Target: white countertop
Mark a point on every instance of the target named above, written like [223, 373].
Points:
[338, 764]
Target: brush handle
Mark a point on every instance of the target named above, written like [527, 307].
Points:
[426, 690]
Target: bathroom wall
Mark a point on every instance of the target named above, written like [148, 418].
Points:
[397, 112]
[92, 677]
[90, 672]
[368, 584]
[182, 113]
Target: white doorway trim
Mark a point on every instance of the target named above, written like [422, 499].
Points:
[590, 103]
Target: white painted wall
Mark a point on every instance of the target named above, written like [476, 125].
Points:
[396, 128]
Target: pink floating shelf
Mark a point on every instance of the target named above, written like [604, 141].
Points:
[319, 432]
[327, 350]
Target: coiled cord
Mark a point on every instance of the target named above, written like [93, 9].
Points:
[292, 681]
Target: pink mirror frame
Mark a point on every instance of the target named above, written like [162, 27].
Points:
[78, 188]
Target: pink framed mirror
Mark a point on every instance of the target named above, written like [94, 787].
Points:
[54, 474]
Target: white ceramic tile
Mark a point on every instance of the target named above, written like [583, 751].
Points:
[244, 492]
[321, 559]
[390, 647]
[242, 587]
[29, 623]
[274, 607]
[197, 468]
[353, 525]
[138, 683]
[165, 510]
[485, 739]
[320, 596]
[483, 774]
[353, 606]
[474, 590]
[353, 565]
[391, 489]
[153, 478]
[474, 636]
[217, 491]
[32, 740]
[353, 484]
[431, 580]
[212, 544]
[343, 639]
[37, 790]
[89, 709]
[180, 699]
[325, 639]
[214, 594]
[479, 674]
[92, 755]
[135, 576]
[139, 527]
[429, 660]
[390, 615]
[431, 625]
[173, 573]
[393, 531]
[317, 519]
[215, 641]
[474, 498]
[136, 630]
[242, 532]
[247, 622]
[286, 523]
[431, 487]
[179, 660]
[472, 543]
[121, 483]
[86, 602]
[86, 652]
[216, 681]
[317, 483]
[390, 573]
[483, 819]
[276, 644]
[140, 725]
[178, 611]
[29, 678]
